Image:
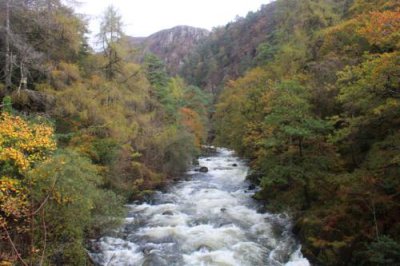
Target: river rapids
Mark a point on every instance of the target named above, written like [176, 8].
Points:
[208, 219]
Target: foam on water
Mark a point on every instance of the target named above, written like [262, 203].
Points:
[209, 220]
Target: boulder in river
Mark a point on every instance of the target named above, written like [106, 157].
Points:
[252, 187]
[203, 169]
[146, 250]
[234, 165]
[169, 213]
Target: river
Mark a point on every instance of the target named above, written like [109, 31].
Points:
[208, 219]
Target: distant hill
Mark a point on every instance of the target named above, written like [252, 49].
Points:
[171, 45]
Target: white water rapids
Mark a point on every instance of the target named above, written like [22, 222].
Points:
[209, 219]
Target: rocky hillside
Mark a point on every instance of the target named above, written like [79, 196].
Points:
[231, 50]
[171, 45]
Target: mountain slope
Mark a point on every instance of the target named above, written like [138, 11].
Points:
[171, 45]
[230, 50]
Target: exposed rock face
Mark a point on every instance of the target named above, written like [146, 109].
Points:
[172, 45]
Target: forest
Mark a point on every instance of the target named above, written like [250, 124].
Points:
[316, 111]
[308, 91]
[81, 131]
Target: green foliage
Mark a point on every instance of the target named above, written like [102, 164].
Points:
[384, 251]
[105, 151]
[276, 33]
[319, 121]
[7, 104]
[155, 71]
[76, 206]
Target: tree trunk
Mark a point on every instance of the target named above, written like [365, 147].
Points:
[23, 78]
[306, 191]
[300, 147]
[8, 63]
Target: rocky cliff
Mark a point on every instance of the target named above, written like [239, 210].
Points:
[171, 45]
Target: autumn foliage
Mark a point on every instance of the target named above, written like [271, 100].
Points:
[319, 121]
[23, 145]
[191, 120]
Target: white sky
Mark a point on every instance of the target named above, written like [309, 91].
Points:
[144, 17]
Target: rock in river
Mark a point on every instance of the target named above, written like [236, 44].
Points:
[203, 169]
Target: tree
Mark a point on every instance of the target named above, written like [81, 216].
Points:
[155, 72]
[36, 36]
[109, 36]
[7, 65]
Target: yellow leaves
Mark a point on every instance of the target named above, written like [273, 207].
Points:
[61, 199]
[321, 243]
[17, 157]
[5, 263]
[24, 144]
[13, 200]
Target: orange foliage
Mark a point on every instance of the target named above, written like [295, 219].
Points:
[192, 121]
[382, 28]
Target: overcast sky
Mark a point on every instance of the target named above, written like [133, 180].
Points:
[144, 17]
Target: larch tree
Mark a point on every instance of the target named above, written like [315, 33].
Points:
[109, 36]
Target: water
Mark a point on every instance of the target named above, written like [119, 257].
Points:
[210, 219]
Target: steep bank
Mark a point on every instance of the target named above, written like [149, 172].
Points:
[318, 120]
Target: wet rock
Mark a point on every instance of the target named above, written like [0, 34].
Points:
[225, 224]
[263, 209]
[282, 216]
[153, 259]
[223, 209]
[234, 165]
[146, 250]
[203, 169]
[96, 247]
[252, 187]
[169, 213]
[208, 150]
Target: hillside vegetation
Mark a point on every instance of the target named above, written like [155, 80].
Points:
[81, 132]
[316, 110]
